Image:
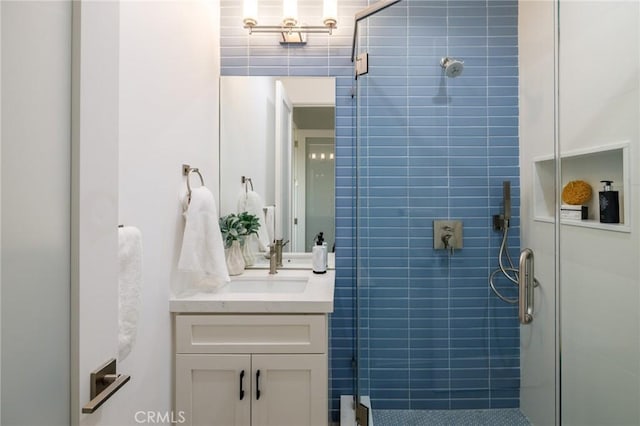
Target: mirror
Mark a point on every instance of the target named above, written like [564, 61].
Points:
[280, 133]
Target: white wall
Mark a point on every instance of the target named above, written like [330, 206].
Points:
[600, 286]
[36, 68]
[169, 68]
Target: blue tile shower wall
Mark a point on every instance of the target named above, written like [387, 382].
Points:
[432, 335]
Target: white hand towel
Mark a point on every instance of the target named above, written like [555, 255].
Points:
[202, 247]
[129, 287]
[270, 219]
[251, 202]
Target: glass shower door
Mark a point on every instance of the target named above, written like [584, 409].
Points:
[539, 384]
[438, 145]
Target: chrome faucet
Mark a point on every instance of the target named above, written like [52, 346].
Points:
[273, 261]
[279, 246]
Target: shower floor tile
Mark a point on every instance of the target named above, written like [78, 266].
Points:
[494, 417]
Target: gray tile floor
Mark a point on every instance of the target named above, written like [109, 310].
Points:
[494, 417]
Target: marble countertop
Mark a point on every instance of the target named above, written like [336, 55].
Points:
[317, 296]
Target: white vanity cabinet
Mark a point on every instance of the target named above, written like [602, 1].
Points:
[251, 369]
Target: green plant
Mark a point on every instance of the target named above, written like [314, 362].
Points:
[236, 227]
[232, 229]
[250, 223]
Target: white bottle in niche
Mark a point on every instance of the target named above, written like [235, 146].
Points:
[319, 255]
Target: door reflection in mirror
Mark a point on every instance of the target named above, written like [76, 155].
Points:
[314, 175]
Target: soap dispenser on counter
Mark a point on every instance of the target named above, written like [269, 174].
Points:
[319, 255]
[609, 204]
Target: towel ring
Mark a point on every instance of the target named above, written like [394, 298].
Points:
[186, 171]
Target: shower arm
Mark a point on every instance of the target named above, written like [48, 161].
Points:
[365, 13]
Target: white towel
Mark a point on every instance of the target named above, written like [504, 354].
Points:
[270, 219]
[129, 287]
[251, 202]
[202, 248]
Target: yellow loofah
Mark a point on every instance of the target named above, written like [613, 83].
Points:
[576, 192]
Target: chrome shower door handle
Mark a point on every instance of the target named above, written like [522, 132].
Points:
[526, 281]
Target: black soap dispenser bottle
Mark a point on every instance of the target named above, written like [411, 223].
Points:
[609, 204]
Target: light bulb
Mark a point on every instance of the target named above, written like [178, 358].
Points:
[330, 13]
[290, 13]
[250, 13]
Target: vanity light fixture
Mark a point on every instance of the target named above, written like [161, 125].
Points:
[291, 32]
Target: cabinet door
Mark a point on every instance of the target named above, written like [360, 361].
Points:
[292, 390]
[208, 389]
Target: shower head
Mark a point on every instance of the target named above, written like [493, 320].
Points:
[452, 67]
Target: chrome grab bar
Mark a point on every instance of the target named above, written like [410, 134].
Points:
[526, 284]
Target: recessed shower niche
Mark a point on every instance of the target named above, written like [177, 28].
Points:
[594, 164]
